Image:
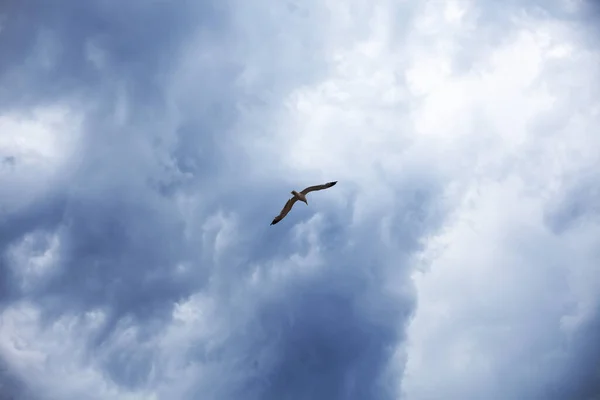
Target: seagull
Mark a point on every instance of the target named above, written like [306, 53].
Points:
[299, 196]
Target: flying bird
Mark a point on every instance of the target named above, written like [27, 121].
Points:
[299, 196]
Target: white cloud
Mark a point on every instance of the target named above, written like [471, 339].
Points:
[493, 305]
[36, 150]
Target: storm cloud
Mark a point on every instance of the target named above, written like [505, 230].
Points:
[145, 147]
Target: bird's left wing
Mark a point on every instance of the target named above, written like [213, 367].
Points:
[318, 187]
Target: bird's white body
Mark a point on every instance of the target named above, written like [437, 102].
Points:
[300, 196]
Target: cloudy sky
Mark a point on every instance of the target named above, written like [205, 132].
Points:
[146, 146]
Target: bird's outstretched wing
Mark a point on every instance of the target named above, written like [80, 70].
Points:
[286, 209]
[318, 187]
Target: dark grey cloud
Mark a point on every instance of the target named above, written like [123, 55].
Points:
[116, 213]
[577, 208]
[585, 366]
[11, 387]
[46, 48]
[158, 206]
[139, 41]
[322, 337]
[122, 235]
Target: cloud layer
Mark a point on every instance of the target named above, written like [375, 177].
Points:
[144, 149]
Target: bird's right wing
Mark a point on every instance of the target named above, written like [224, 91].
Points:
[286, 209]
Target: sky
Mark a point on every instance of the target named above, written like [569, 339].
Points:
[146, 146]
